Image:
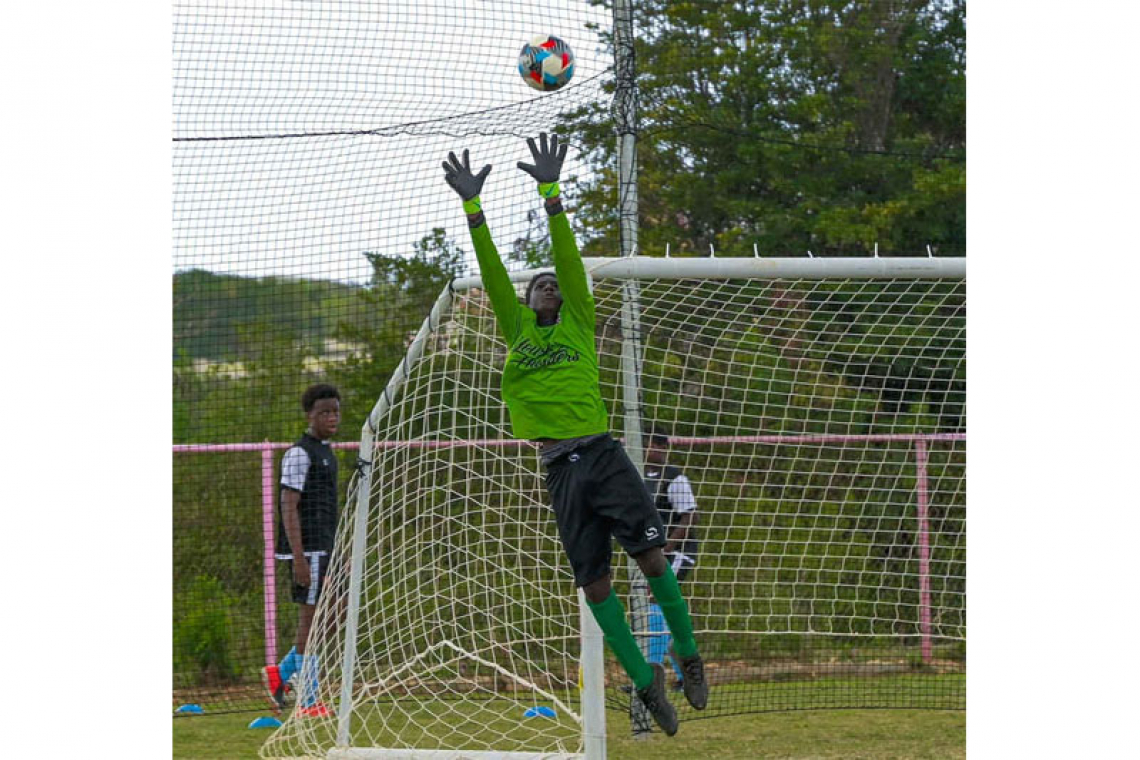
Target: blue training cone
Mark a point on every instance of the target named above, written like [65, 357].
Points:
[191, 709]
[540, 711]
[265, 722]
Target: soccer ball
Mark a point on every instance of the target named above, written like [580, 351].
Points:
[546, 63]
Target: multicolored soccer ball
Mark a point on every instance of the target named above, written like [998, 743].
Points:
[546, 63]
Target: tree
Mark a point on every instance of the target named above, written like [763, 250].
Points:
[791, 125]
[256, 399]
[388, 314]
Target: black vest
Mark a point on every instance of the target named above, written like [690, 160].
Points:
[318, 505]
[659, 479]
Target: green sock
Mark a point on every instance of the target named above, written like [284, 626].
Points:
[610, 615]
[676, 612]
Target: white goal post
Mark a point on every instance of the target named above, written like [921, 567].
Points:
[449, 627]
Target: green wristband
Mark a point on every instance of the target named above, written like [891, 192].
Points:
[548, 189]
[473, 206]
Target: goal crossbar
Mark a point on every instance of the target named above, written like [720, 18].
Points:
[755, 268]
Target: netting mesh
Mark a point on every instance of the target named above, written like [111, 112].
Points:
[821, 426]
[307, 143]
[308, 138]
[309, 133]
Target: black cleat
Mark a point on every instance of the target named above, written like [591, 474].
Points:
[695, 686]
[656, 701]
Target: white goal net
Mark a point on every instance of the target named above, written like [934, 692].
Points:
[818, 409]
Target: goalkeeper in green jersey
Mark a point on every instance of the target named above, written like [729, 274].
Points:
[550, 386]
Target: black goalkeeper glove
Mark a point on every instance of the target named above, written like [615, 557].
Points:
[547, 164]
[462, 181]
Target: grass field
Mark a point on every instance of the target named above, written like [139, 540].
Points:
[854, 734]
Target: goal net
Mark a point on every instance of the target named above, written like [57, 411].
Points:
[817, 407]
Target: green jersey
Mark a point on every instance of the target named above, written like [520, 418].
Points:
[550, 381]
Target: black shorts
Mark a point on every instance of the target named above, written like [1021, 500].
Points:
[318, 566]
[597, 493]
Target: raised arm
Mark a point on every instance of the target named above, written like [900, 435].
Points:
[546, 169]
[496, 281]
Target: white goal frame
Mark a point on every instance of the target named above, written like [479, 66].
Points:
[631, 268]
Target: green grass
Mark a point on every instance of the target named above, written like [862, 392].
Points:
[849, 734]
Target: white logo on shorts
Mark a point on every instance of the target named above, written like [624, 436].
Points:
[651, 532]
[574, 457]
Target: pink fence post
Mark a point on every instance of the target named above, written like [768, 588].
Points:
[270, 568]
[923, 550]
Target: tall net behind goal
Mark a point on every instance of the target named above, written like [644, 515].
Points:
[821, 423]
[307, 190]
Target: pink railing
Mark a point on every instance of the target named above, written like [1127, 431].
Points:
[922, 495]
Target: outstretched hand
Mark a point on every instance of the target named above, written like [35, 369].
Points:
[548, 159]
[459, 176]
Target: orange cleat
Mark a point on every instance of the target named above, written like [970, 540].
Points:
[315, 710]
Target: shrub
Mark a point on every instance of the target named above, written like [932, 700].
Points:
[202, 632]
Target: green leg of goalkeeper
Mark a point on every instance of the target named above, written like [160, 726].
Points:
[610, 614]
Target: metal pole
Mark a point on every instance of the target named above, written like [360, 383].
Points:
[625, 125]
[593, 683]
[366, 458]
[625, 118]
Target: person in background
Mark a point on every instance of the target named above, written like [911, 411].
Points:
[308, 513]
[673, 496]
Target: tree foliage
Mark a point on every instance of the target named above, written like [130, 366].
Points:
[214, 313]
[399, 298]
[246, 348]
[791, 125]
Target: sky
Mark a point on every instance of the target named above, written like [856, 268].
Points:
[294, 189]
